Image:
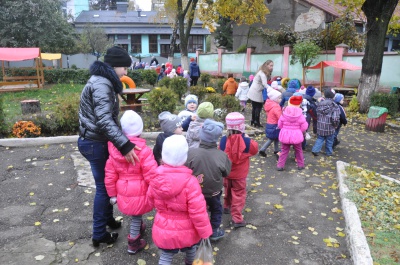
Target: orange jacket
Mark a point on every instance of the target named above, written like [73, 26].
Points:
[230, 86]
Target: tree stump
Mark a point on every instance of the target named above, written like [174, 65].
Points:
[30, 106]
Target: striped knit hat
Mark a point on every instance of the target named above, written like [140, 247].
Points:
[235, 121]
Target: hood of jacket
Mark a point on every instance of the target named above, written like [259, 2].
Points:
[244, 85]
[102, 69]
[235, 147]
[270, 104]
[171, 186]
[114, 153]
[193, 63]
[326, 106]
[231, 80]
[292, 114]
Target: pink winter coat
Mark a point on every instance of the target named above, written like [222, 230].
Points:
[292, 124]
[181, 219]
[273, 110]
[128, 182]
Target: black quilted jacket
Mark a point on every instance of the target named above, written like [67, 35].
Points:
[99, 108]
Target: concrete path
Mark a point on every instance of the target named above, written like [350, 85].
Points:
[46, 198]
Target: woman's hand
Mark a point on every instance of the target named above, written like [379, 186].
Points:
[131, 156]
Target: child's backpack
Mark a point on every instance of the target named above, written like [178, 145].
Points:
[312, 109]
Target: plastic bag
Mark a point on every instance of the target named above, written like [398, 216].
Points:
[308, 136]
[204, 253]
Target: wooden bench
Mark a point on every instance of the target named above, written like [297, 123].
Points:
[19, 80]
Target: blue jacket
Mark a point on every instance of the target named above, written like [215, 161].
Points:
[194, 69]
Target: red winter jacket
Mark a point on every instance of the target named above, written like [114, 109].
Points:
[239, 149]
[128, 182]
[181, 219]
[273, 110]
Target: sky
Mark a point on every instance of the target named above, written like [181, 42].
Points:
[145, 5]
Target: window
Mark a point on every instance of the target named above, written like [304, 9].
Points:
[396, 45]
[111, 37]
[122, 37]
[153, 45]
[164, 36]
[136, 43]
[195, 42]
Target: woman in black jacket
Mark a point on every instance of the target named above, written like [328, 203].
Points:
[98, 124]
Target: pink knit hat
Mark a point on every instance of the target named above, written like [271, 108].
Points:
[251, 77]
[235, 121]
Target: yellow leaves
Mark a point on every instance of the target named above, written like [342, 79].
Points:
[86, 203]
[336, 210]
[397, 226]
[341, 234]
[331, 242]
[31, 193]
[150, 218]
[32, 204]
[251, 227]
[247, 210]
[141, 262]
[39, 257]
[278, 206]
[37, 223]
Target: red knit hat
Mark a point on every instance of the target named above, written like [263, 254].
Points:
[192, 59]
[295, 101]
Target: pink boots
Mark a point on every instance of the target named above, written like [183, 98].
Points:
[135, 244]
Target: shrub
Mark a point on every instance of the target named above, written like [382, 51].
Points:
[230, 103]
[199, 91]
[74, 67]
[136, 77]
[223, 105]
[165, 81]
[162, 99]
[149, 76]
[178, 85]
[220, 85]
[48, 124]
[3, 127]
[25, 129]
[66, 114]
[353, 104]
[389, 101]
[215, 99]
[242, 48]
[205, 78]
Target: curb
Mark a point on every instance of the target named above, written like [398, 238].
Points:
[357, 242]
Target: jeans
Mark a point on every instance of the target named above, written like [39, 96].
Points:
[268, 143]
[328, 144]
[97, 154]
[215, 207]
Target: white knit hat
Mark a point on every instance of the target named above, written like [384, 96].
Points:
[274, 94]
[131, 123]
[174, 150]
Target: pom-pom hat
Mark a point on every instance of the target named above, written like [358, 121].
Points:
[274, 94]
[235, 121]
[131, 123]
[310, 91]
[117, 57]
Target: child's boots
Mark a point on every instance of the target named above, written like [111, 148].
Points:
[135, 244]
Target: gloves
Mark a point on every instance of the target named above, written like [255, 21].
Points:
[113, 200]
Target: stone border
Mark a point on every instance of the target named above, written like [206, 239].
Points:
[358, 245]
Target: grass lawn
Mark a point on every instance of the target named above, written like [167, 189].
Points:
[47, 96]
[378, 204]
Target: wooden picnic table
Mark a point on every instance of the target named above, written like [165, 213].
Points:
[132, 97]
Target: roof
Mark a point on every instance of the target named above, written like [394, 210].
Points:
[130, 17]
[146, 30]
[326, 6]
[335, 64]
[18, 54]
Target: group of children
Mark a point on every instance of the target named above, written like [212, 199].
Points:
[181, 178]
[289, 115]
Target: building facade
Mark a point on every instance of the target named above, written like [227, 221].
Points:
[141, 33]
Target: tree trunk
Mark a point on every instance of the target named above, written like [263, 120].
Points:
[378, 15]
[30, 106]
[184, 33]
[173, 42]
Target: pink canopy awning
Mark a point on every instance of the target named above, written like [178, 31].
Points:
[18, 54]
[336, 64]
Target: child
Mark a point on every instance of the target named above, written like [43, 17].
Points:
[204, 111]
[181, 219]
[275, 85]
[311, 108]
[343, 120]
[251, 78]
[173, 73]
[328, 114]
[187, 77]
[274, 112]
[170, 124]
[241, 93]
[293, 85]
[293, 125]
[127, 183]
[191, 102]
[210, 166]
[230, 86]
[239, 148]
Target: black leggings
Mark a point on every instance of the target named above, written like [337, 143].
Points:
[255, 113]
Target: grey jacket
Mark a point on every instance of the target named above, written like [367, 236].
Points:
[99, 108]
[209, 165]
[259, 82]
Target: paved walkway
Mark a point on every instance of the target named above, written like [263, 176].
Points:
[46, 206]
